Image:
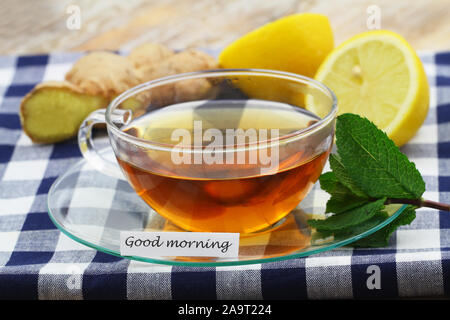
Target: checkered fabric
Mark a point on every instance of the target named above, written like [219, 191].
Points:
[37, 261]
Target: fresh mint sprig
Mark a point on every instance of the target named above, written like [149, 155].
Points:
[369, 172]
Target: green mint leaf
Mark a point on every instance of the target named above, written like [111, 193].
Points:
[342, 175]
[339, 205]
[374, 162]
[329, 182]
[368, 170]
[381, 237]
[349, 218]
[342, 198]
[355, 230]
[378, 218]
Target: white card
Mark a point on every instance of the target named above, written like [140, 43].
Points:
[183, 244]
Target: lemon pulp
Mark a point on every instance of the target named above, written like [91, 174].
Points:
[378, 75]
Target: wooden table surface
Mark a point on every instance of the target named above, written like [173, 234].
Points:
[29, 26]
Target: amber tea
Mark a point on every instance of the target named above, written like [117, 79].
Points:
[225, 165]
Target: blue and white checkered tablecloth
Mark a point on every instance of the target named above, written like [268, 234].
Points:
[37, 261]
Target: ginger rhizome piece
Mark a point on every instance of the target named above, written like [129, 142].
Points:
[53, 111]
[185, 61]
[187, 90]
[103, 73]
[149, 54]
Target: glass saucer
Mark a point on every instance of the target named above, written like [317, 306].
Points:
[92, 208]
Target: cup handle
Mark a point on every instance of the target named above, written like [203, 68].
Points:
[86, 144]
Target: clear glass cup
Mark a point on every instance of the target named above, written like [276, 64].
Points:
[219, 150]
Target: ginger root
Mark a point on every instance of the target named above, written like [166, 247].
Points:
[149, 54]
[103, 73]
[53, 111]
[186, 61]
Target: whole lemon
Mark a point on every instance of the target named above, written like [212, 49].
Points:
[297, 43]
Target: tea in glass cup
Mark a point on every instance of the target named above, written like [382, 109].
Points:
[230, 159]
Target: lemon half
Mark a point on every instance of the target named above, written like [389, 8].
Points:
[378, 75]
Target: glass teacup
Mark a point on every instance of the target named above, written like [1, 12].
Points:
[220, 150]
